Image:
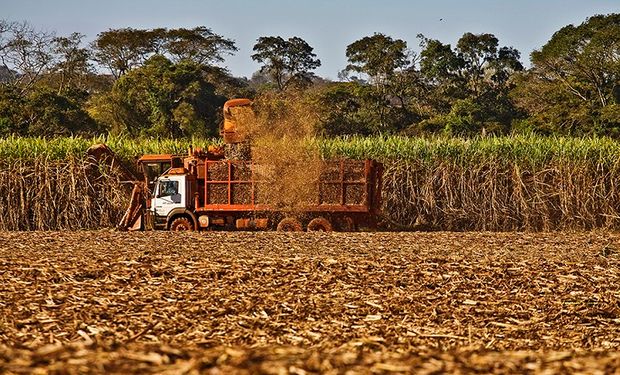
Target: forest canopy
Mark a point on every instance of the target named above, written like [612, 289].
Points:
[170, 83]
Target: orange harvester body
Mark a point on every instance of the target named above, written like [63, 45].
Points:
[203, 190]
[231, 131]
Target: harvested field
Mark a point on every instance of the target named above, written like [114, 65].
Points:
[271, 302]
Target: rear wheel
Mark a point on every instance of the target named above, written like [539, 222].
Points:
[289, 224]
[181, 224]
[320, 224]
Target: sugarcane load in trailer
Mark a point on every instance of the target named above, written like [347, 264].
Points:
[220, 189]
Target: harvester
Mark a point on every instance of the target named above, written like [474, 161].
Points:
[222, 188]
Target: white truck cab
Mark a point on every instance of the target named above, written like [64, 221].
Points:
[172, 200]
[169, 194]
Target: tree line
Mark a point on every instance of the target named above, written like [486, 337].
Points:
[170, 83]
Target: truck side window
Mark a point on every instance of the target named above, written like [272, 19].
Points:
[168, 188]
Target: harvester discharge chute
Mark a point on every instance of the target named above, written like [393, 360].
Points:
[232, 131]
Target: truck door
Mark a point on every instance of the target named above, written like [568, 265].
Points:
[169, 194]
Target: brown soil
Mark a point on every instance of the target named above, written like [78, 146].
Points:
[112, 302]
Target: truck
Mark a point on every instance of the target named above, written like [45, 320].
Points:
[222, 189]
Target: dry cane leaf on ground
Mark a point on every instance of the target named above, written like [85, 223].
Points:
[216, 302]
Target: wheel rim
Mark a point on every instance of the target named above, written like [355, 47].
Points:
[181, 225]
[320, 224]
[289, 225]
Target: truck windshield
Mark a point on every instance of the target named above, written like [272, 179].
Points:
[154, 170]
[168, 188]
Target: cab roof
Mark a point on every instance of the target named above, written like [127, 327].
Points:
[156, 158]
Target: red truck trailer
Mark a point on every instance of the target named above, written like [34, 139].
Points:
[208, 194]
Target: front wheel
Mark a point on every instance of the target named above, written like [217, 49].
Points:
[181, 224]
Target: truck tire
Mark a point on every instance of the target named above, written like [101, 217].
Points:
[289, 224]
[181, 224]
[320, 224]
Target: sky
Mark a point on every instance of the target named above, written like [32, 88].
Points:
[327, 25]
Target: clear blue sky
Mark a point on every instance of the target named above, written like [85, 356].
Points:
[327, 25]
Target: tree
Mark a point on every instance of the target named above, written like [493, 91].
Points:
[162, 99]
[43, 88]
[476, 53]
[71, 64]
[440, 68]
[346, 108]
[26, 51]
[573, 85]
[288, 62]
[388, 65]
[226, 85]
[379, 56]
[438, 62]
[199, 45]
[475, 67]
[468, 87]
[50, 114]
[5, 29]
[121, 50]
[43, 112]
[11, 111]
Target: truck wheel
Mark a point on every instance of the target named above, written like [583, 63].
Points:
[181, 224]
[346, 224]
[289, 224]
[320, 224]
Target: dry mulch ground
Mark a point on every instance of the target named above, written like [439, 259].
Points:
[271, 302]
